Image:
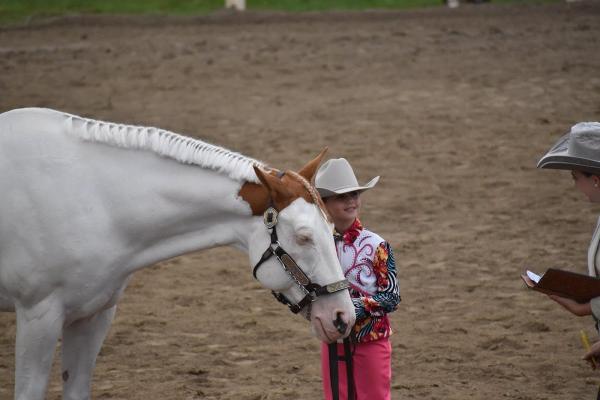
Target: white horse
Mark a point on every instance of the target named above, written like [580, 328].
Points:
[84, 204]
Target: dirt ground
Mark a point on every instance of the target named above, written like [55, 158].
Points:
[452, 107]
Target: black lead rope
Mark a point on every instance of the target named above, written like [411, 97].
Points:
[349, 369]
[334, 371]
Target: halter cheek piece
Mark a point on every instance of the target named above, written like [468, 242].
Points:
[311, 290]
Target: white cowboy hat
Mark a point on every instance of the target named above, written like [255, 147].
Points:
[336, 176]
[579, 149]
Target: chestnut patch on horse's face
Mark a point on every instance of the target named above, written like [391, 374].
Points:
[258, 196]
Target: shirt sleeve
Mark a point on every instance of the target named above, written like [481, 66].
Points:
[387, 297]
[595, 303]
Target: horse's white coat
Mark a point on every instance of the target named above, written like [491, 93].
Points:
[78, 218]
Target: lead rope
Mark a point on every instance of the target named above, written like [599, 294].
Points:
[349, 369]
[347, 358]
[333, 371]
[334, 358]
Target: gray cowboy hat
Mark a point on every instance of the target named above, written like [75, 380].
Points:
[577, 150]
[336, 176]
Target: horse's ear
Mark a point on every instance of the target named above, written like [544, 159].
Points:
[262, 176]
[272, 183]
[309, 170]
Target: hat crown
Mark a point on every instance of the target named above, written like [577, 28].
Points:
[336, 176]
[336, 173]
[584, 141]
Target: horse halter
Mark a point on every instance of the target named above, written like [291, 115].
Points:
[311, 290]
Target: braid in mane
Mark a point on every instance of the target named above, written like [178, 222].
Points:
[313, 193]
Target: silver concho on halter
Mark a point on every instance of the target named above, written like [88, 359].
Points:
[270, 217]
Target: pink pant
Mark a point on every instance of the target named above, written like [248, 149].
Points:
[372, 370]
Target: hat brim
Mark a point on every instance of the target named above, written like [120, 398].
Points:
[558, 158]
[328, 193]
[570, 163]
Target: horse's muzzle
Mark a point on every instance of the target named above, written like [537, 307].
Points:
[339, 324]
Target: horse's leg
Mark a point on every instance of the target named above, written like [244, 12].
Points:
[81, 344]
[38, 330]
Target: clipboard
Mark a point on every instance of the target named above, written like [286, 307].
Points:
[579, 287]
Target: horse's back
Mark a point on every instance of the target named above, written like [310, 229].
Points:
[35, 150]
[31, 134]
[30, 119]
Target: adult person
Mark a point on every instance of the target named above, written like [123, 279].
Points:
[368, 263]
[579, 152]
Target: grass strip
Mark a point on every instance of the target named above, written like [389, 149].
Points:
[15, 11]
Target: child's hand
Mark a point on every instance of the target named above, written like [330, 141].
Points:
[573, 306]
[592, 355]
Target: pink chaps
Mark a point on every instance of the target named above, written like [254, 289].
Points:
[372, 370]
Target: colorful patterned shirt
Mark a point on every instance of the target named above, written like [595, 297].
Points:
[368, 263]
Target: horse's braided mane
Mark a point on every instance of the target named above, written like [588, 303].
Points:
[181, 148]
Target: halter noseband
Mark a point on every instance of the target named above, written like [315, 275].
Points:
[311, 290]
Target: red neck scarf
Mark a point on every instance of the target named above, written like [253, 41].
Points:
[352, 232]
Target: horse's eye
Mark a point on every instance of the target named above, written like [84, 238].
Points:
[304, 239]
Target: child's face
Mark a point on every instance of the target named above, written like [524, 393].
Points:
[343, 208]
[588, 185]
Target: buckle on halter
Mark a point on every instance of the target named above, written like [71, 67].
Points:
[270, 217]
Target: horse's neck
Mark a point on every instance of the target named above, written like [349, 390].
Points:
[179, 209]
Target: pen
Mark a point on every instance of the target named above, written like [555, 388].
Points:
[586, 345]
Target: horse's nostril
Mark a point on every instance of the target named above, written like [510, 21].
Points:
[339, 323]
